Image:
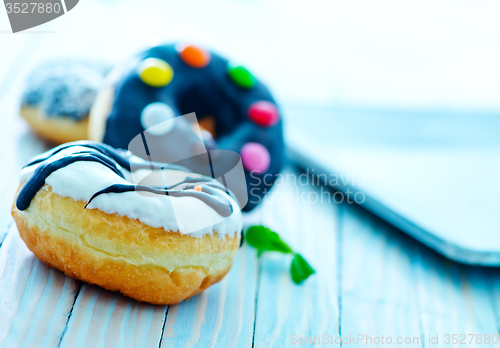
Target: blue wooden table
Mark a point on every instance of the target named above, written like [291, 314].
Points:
[371, 279]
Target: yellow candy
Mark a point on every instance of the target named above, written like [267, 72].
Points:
[155, 72]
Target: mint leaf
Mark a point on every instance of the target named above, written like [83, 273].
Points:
[263, 239]
[300, 269]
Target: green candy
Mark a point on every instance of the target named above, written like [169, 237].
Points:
[241, 76]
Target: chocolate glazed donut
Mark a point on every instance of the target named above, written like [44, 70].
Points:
[235, 110]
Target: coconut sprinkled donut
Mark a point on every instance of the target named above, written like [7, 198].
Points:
[236, 111]
[58, 97]
[78, 210]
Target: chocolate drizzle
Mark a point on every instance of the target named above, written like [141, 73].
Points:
[213, 193]
[37, 180]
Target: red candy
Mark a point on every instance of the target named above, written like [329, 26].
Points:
[264, 113]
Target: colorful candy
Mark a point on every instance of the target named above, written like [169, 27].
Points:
[194, 56]
[153, 118]
[155, 72]
[235, 112]
[241, 76]
[255, 157]
[264, 113]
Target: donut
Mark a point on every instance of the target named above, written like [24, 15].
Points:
[235, 111]
[100, 215]
[58, 97]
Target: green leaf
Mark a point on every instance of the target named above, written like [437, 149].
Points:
[263, 239]
[300, 269]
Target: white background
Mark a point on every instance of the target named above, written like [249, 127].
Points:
[425, 55]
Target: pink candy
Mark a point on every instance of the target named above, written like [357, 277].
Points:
[255, 157]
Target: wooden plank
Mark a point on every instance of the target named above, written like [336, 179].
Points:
[102, 318]
[378, 296]
[223, 315]
[35, 299]
[455, 299]
[285, 311]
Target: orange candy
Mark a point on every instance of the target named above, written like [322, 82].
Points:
[194, 56]
[198, 188]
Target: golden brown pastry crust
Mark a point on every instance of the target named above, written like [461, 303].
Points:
[121, 254]
[57, 130]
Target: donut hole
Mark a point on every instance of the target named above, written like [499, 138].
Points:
[194, 99]
[208, 124]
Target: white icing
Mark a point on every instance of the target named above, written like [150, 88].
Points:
[189, 215]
